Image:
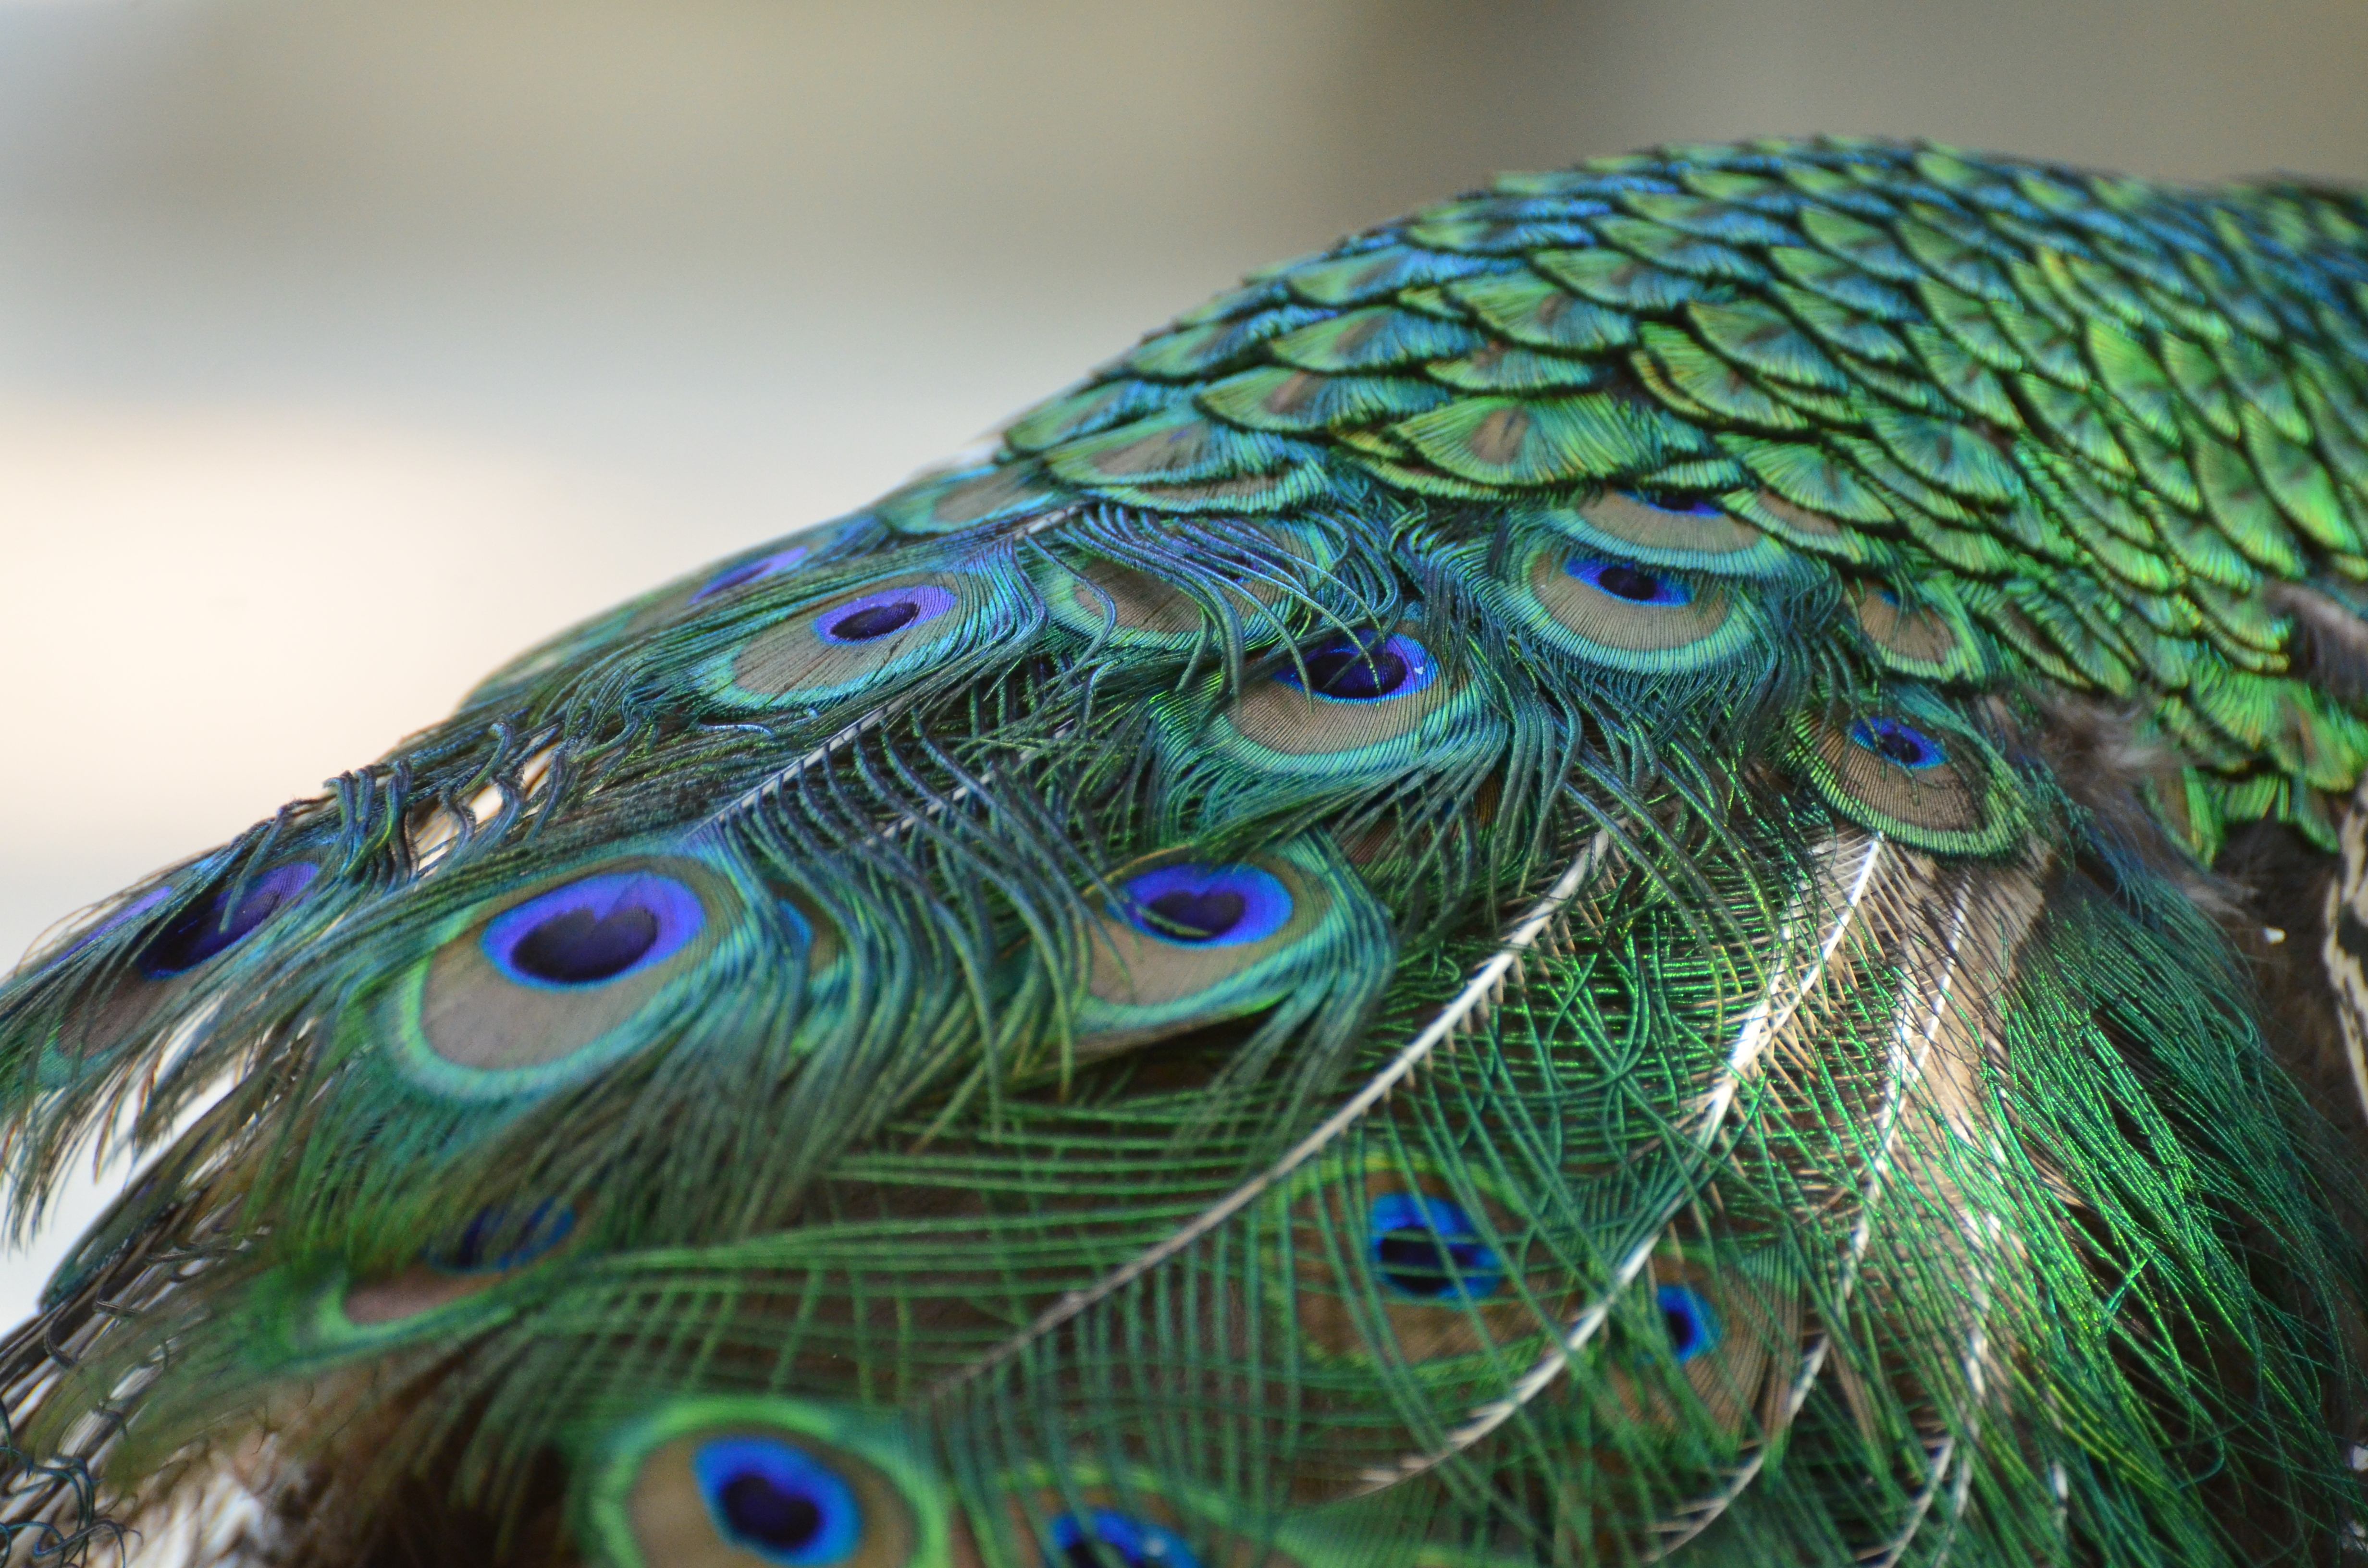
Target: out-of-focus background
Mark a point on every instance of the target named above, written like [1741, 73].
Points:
[346, 348]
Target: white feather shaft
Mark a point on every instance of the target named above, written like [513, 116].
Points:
[1778, 1003]
[1478, 994]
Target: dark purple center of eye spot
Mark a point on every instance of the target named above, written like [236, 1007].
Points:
[1105, 1536]
[778, 1502]
[1081, 1547]
[1690, 1322]
[882, 614]
[751, 571]
[1197, 916]
[1896, 743]
[579, 946]
[1208, 906]
[1682, 1330]
[1694, 507]
[1356, 673]
[1887, 597]
[1428, 1247]
[875, 622]
[1628, 583]
[1365, 667]
[1634, 584]
[593, 930]
[223, 917]
[492, 1242]
[760, 1510]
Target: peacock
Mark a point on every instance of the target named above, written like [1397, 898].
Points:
[1658, 866]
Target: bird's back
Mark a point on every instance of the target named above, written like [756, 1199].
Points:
[1660, 864]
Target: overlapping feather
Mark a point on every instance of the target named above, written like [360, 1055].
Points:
[1436, 922]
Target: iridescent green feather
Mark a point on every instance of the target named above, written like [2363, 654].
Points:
[1525, 895]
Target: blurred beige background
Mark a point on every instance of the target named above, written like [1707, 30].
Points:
[346, 348]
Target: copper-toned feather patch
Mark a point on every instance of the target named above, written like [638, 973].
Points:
[1248, 570]
[1930, 638]
[305, 1314]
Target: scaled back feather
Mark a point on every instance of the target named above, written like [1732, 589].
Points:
[1659, 866]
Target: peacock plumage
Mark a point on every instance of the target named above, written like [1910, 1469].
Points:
[1661, 865]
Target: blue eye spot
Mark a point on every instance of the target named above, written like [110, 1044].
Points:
[1428, 1247]
[218, 921]
[1896, 743]
[1695, 508]
[749, 571]
[595, 930]
[1195, 905]
[1365, 667]
[1691, 1321]
[778, 1501]
[1135, 1542]
[1632, 583]
[1888, 596]
[882, 614]
[493, 1242]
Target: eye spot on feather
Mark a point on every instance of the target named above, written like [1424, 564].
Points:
[715, 1480]
[1185, 944]
[224, 917]
[1239, 572]
[778, 1501]
[553, 980]
[1429, 1248]
[1389, 1260]
[1197, 905]
[118, 920]
[947, 502]
[1729, 1325]
[749, 572]
[495, 1241]
[1915, 640]
[1354, 692]
[1690, 1320]
[593, 931]
[882, 614]
[123, 1013]
[1138, 1543]
[1600, 603]
[1952, 795]
[1634, 584]
[1364, 666]
[1899, 743]
[839, 646]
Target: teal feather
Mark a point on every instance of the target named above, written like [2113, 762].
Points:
[1568, 885]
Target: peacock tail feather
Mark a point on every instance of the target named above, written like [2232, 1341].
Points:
[1661, 865]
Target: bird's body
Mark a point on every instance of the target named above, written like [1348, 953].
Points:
[1584, 881]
